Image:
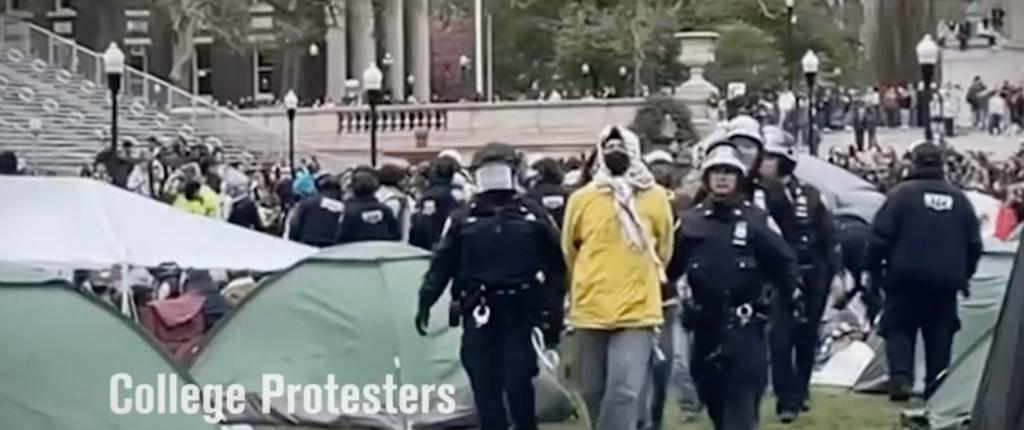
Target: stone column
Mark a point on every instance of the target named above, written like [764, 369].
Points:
[394, 39]
[418, 14]
[337, 53]
[361, 30]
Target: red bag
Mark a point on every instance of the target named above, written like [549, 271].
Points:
[177, 323]
[1006, 221]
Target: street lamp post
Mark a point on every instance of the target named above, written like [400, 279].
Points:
[790, 4]
[927, 56]
[623, 72]
[464, 64]
[113, 61]
[585, 71]
[291, 103]
[810, 65]
[373, 79]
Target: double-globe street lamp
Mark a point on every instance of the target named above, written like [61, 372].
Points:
[927, 57]
[373, 80]
[113, 62]
[810, 65]
[291, 104]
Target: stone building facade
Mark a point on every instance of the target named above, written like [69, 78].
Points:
[395, 34]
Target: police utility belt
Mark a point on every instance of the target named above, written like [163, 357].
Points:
[745, 313]
[478, 298]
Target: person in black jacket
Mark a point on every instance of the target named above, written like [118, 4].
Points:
[812, 236]
[548, 190]
[366, 218]
[435, 204]
[928, 239]
[316, 220]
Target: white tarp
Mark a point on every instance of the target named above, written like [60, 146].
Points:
[82, 223]
[986, 208]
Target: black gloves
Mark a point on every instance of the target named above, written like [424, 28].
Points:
[422, 320]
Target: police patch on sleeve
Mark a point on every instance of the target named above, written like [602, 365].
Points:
[373, 217]
[429, 207]
[938, 202]
[332, 205]
[553, 202]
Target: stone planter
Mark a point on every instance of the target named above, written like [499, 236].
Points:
[697, 50]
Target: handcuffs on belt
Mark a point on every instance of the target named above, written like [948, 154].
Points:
[745, 313]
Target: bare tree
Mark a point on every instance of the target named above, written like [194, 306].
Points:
[227, 20]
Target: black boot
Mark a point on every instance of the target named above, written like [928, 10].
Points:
[899, 389]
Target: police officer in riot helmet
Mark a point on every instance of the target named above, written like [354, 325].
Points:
[794, 340]
[730, 257]
[547, 189]
[502, 256]
[435, 204]
[366, 218]
[316, 219]
[926, 243]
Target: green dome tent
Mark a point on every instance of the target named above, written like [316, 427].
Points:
[61, 349]
[346, 311]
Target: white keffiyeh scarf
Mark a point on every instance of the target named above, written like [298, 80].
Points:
[624, 189]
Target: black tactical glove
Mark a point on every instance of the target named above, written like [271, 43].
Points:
[552, 327]
[422, 321]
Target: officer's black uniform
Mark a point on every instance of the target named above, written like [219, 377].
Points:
[366, 218]
[813, 239]
[493, 251]
[730, 255]
[316, 220]
[552, 197]
[434, 206]
[928, 237]
[853, 235]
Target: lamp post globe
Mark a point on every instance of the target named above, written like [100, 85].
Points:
[291, 103]
[113, 62]
[927, 56]
[314, 50]
[373, 80]
[810, 64]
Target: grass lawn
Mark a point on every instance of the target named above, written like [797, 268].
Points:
[833, 410]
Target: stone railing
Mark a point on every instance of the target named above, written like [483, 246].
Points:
[559, 128]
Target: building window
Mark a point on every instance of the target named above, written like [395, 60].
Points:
[13, 5]
[264, 70]
[204, 70]
[62, 4]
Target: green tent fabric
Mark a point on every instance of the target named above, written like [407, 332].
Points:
[61, 349]
[952, 403]
[346, 311]
[1000, 400]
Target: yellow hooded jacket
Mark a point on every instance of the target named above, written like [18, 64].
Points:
[208, 204]
[613, 286]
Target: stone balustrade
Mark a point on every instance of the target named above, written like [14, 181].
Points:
[557, 128]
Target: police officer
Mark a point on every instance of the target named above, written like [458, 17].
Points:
[812, 236]
[548, 190]
[437, 202]
[502, 255]
[316, 219]
[927, 238]
[729, 256]
[366, 218]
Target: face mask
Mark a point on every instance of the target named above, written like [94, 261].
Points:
[494, 177]
[617, 162]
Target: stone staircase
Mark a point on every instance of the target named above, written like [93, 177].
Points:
[55, 108]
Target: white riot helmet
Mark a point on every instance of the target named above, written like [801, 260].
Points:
[658, 156]
[745, 126]
[723, 155]
[780, 143]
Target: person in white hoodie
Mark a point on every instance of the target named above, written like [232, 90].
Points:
[997, 110]
[392, 195]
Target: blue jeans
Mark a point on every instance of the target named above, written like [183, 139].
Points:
[612, 366]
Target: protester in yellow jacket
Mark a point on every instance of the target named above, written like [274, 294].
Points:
[199, 199]
[617, 235]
